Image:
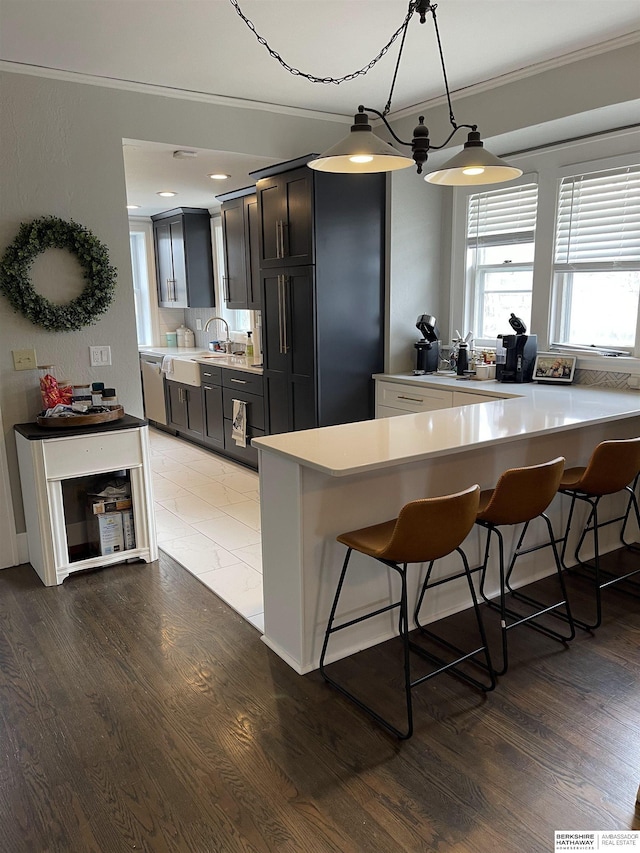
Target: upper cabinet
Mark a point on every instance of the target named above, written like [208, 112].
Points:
[241, 249]
[286, 224]
[184, 264]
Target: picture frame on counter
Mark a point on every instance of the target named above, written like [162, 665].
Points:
[553, 368]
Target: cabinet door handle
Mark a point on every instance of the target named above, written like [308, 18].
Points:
[171, 290]
[239, 381]
[226, 288]
[280, 313]
[278, 255]
[283, 225]
[285, 341]
[411, 399]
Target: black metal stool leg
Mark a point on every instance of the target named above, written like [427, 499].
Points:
[452, 666]
[509, 618]
[542, 608]
[403, 624]
[633, 501]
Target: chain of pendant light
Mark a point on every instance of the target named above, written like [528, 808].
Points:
[402, 30]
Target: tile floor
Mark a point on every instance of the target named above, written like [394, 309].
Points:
[208, 519]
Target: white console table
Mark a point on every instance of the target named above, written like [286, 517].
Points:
[49, 459]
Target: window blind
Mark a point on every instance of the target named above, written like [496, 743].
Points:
[599, 217]
[502, 214]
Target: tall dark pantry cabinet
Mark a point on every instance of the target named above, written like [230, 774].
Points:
[321, 243]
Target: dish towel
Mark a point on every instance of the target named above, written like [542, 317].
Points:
[239, 423]
[167, 365]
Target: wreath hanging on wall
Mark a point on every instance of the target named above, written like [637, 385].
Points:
[49, 232]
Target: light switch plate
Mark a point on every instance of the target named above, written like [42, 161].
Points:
[24, 359]
[198, 325]
[100, 356]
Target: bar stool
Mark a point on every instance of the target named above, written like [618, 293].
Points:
[613, 466]
[424, 531]
[520, 496]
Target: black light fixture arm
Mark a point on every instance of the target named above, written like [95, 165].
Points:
[420, 144]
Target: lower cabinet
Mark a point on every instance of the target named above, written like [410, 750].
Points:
[184, 408]
[213, 420]
[397, 398]
[248, 389]
[220, 387]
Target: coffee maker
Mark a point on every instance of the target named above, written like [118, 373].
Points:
[427, 349]
[516, 354]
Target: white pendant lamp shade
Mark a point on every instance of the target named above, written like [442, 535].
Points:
[473, 166]
[361, 152]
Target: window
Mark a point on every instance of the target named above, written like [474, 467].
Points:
[142, 292]
[596, 277]
[499, 257]
[560, 248]
[238, 320]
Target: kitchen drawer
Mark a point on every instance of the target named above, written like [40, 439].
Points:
[248, 454]
[412, 398]
[74, 457]
[255, 405]
[210, 375]
[243, 380]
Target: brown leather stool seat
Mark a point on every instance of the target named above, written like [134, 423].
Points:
[520, 496]
[614, 467]
[424, 531]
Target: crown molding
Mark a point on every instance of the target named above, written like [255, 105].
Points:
[632, 37]
[629, 38]
[166, 91]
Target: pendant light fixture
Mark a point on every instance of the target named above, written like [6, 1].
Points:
[363, 151]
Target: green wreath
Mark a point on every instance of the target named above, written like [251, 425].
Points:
[49, 232]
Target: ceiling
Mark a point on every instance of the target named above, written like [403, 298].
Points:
[203, 46]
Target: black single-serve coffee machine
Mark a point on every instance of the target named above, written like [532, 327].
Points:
[516, 354]
[428, 349]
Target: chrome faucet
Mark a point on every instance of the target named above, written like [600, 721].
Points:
[227, 343]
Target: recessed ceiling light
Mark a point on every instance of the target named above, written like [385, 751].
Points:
[133, 206]
[167, 194]
[218, 176]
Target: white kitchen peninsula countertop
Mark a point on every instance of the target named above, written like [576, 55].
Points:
[315, 484]
[531, 409]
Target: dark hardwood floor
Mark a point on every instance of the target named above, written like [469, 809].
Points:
[139, 712]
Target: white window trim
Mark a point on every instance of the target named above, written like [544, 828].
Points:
[548, 178]
[139, 225]
[462, 302]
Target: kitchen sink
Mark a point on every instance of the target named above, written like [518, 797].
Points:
[185, 370]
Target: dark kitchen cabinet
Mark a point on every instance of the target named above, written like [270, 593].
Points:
[184, 408]
[322, 279]
[286, 219]
[212, 411]
[241, 249]
[289, 356]
[248, 388]
[184, 266]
